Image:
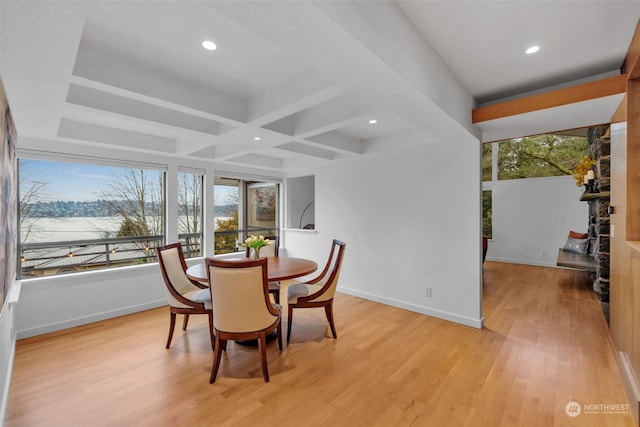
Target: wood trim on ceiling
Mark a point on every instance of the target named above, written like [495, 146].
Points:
[582, 92]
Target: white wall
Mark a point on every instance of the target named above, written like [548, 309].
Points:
[410, 219]
[300, 193]
[7, 345]
[60, 302]
[532, 218]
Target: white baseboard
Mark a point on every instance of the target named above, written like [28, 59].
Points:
[467, 321]
[79, 321]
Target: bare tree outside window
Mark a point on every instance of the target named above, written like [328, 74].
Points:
[136, 196]
[32, 190]
[190, 211]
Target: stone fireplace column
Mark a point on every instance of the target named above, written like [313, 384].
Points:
[599, 144]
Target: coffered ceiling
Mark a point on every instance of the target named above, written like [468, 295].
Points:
[303, 77]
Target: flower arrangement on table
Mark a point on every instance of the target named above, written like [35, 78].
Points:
[584, 171]
[256, 242]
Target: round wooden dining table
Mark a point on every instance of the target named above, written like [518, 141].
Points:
[278, 268]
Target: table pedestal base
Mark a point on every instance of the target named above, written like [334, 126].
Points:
[254, 343]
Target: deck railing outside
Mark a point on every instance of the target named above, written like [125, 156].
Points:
[52, 258]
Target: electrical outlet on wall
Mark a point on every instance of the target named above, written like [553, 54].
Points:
[427, 292]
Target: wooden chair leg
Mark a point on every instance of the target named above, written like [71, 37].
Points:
[216, 358]
[289, 322]
[262, 343]
[213, 346]
[184, 323]
[279, 333]
[276, 296]
[329, 310]
[172, 325]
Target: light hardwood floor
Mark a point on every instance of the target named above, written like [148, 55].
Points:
[545, 343]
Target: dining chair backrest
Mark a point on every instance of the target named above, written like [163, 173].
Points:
[266, 251]
[173, 268]
[239, 290]
[330, 275]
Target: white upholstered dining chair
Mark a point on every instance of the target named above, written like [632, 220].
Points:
[185, 296]
[244, 311]
[318, 292]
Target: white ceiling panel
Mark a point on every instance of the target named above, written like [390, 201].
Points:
[304, 76]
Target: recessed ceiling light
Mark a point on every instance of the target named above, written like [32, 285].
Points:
[532, 49]
[256, 138]
[209, 45]
[373, 121]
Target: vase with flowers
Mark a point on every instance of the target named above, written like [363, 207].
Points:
[256, 243]
[584, 174]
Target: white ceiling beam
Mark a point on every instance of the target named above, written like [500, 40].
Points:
[301, 163]
[258, 160]
[92, 98]
[385, 32]
[39, 44]
[330, 115]
[338, 142]
[230, 150]
[307, 150]
[373, 48]
[104, 67]
[301, 92]
[89, 132]
[186, 141]
[400, 140]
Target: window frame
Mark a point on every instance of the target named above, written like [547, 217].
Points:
[244, 183]
[118, 245]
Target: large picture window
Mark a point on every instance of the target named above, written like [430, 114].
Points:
[78, 217]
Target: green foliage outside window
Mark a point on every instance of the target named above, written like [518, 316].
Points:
[226, 243]
[486, 214]
[486, 162]
[539, 156]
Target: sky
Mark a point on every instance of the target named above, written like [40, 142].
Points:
[66, 181]
[82, 182]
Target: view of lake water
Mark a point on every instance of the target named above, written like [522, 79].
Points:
[68, 229]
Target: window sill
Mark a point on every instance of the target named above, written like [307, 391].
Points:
[300, 230]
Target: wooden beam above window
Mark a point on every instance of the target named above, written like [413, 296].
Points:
[582, 92]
